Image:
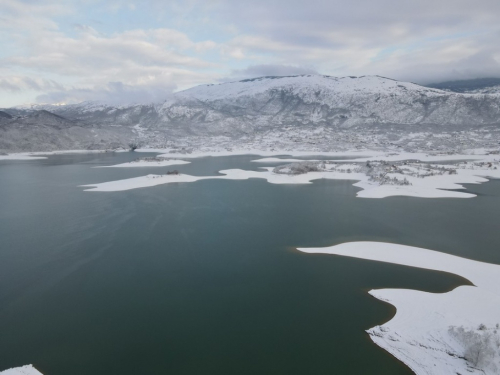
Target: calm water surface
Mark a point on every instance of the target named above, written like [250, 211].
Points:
[203, 278]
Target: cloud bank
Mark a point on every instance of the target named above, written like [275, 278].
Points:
[124, 51]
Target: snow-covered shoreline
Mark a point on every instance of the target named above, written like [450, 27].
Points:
[170, 153]
[418, 334]
[442, 185]
[43, 154]
[21, 156]
[24, 370]
[147, 163]
[271, 155]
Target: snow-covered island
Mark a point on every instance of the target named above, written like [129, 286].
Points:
[379, 176]
[436, 333]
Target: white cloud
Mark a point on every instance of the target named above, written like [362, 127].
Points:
[137, 64]
[420, 40]
[20, 83]
[115, 93]
[92, 54]
[268, 70]
[178, 44]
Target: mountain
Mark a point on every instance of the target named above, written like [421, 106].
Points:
[41, 130]
[478, 85]
[329, 101]
[4, 116]
[42, 118]
[255, 106]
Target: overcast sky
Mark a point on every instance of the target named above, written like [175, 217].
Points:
[126, 51]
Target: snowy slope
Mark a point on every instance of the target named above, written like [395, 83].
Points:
[311, 87]
[260, 105]
[270, 102]
[345, 101]
[486, 90]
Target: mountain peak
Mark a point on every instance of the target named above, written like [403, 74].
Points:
[305, 85]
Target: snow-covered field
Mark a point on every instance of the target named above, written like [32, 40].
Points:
[419, 334]
[24, 370]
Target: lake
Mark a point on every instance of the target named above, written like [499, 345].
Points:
[204, 277]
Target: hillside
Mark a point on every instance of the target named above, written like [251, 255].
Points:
[256, 106]
[478, 85]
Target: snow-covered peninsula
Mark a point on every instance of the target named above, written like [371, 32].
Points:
[436, 333]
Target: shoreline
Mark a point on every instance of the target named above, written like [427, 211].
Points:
[23, 370]
[368, 154]
[428, 186]
[418, 334]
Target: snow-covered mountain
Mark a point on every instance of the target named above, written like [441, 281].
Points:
[270, 103]
[487, 90]
[330, 101]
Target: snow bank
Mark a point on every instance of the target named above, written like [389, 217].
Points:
[418, 334]
[25, 370]
[147, 163]
[278, 160]
[41, 154]
[21, 156]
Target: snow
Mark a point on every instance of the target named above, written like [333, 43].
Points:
[147, 163]
[307, 85]
[424, 157]
[418, 334]
[21, 156]
[140, 182]
[429, 190]
[437, 186]
[24, 370]
[278, 160]
[252, 151]
[41, 154]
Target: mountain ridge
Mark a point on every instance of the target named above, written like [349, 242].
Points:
[255, 106]
[477, 85]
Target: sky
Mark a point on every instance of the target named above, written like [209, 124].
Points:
[123, 52]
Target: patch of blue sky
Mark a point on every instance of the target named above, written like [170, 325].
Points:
[109, 20]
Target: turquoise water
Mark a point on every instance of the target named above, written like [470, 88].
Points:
[204, 278]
